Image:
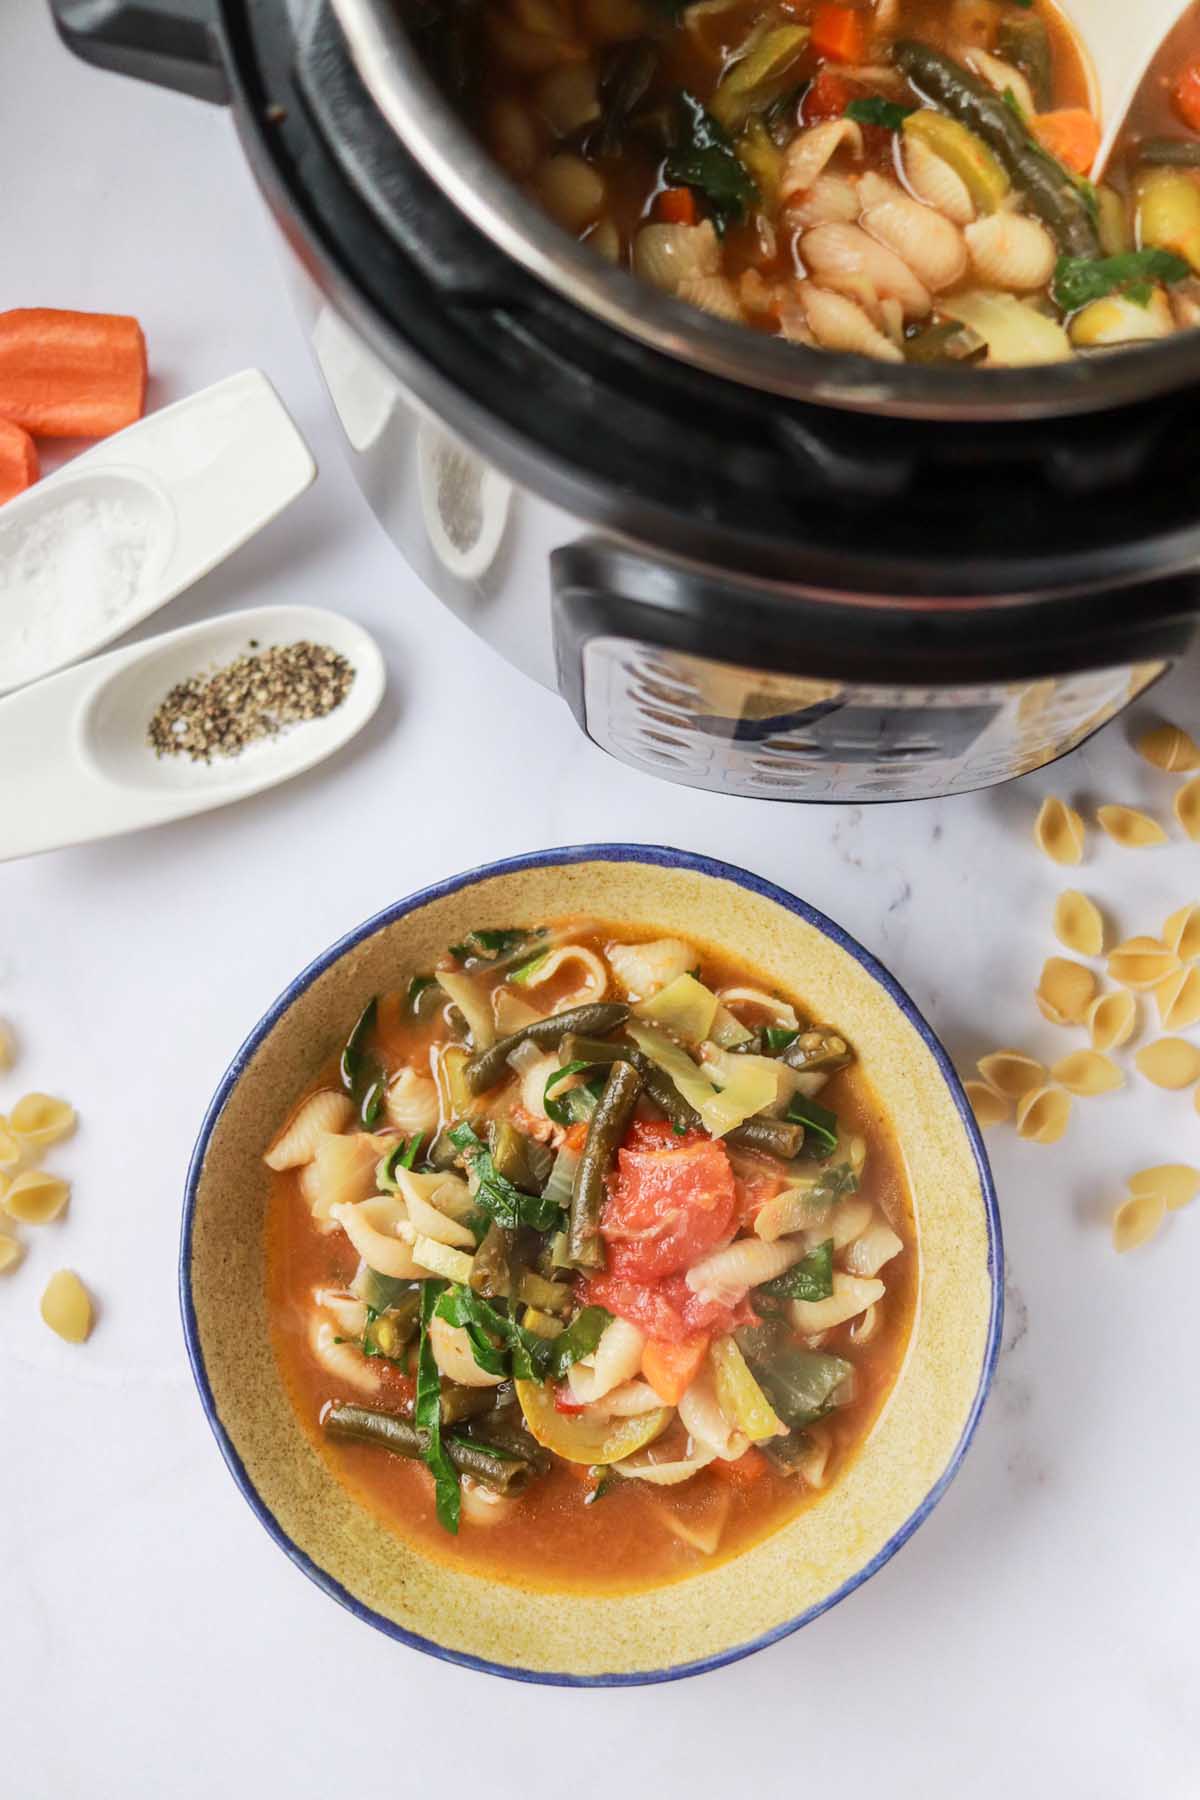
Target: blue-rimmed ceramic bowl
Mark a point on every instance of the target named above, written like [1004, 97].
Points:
[780, 1584]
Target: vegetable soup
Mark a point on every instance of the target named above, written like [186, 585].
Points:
[908, 179]
[592, 1260]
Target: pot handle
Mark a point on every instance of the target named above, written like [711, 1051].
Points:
[172, 43]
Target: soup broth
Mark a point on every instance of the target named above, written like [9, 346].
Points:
[725, 1310]
[908, 180]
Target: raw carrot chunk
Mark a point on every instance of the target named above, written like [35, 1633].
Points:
[18, 460]
[71, 374]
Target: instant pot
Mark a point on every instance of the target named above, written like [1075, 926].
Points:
[745, 565]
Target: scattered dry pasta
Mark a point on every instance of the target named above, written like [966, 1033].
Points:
[8, 1046]
[35, 1197]
[1170, 1062]
[1181, 932]
[1141, 963]
[10, 1252]
[1132, 829]
[67, 1307]
[989, 1107]
[1169, 748]
[1078, 925]
[1011, 1073]
[12, 1151]
[1087, 1072]
[1043, 1115]
[1176, 1183]
[1187, 808]
[1178, 998]
[40, 1120]
[1065, 991]
[1112, 1019]
[1136, 1220]
[1059, 831]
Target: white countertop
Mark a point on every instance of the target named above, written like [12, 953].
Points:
[1037, 1636]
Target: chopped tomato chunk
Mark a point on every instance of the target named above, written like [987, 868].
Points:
[828, 97]
[665, 1310]
[666, 1208]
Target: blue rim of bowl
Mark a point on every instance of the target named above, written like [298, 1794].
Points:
[666, 858]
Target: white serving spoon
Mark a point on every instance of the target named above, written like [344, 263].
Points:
[180, 491]
[74, 761]
[1122, 41]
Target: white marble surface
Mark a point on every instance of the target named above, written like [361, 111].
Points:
[1037, 1636]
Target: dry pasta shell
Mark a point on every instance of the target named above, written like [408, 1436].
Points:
[1170, 1062]
[1136, 1220]
[1011, 1073]
[1176, 1183]
[1170, 748]
[1178, 998]
[12, 1150]
[1087, 1072]
[1112, 1019]
[1059, 831]
[1065, 991]
[40, 1119]
[989, 1107]
[1043, 1115]
[1187, 808]
[1078, 925]
[10, 1252]
[67, 1306]
[1181, 932]
[1132, 829]
[35, 1197]
[1141, 963]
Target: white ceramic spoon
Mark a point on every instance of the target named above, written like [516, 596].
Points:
[1122, 37]
[188, 486]
[74, 761]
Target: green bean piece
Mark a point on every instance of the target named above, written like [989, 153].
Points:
[819, 1048]
[778, 1137]
[1169, 153]
[1023, 39]
[491, 1270]
[505, 1473]
[508, 1148]
[487, 1067]
[459, 1404]
[656, 1084]
[607, 1127]
[1050, 189]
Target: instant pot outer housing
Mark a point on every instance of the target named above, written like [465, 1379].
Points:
[746, 565]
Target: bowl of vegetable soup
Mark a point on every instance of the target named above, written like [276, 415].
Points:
[590, 1267]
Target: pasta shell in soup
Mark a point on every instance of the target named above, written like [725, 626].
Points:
[374, 1227]
[411, 1104]
[341, 1359]
[830, 200]
[932, 247]
[706, 1424]
[933, 180]
[1010, 250]
[615, 1360]
[844, 257]
[852, 1294]
[665, 255]
[342, 1171]
[482, 1505]
[712, 294]
[837, 323]
[297, 1143]
[454, 1357]
[642, 969]
[808, 154]
[591, 984]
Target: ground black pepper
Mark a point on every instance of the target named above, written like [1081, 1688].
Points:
[254, 697]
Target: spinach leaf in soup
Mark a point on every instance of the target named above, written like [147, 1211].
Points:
[704, 158]
[809, 1279]
[361, 1074]
[427, 1416]
[507, 1204]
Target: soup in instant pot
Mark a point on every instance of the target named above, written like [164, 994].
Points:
[592, 1260]
[910, 180]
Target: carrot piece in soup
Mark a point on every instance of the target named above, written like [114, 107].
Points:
[671, 1368]
[1071, 134]
[71, 374]
[18, 460]
[750, 1467]
[676, 206]
[838, 33]
[1186, 95]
